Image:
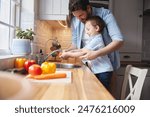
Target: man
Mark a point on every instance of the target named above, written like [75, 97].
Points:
[80, 10]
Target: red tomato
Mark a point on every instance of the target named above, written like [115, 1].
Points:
[35, 70]
[28, 63]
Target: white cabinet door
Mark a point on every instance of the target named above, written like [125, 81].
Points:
[56, 6]
[45, 6]
[64, 7]
[128, 14]
[53, 9]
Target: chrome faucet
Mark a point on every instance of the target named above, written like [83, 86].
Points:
[55, 39]
[50, 54]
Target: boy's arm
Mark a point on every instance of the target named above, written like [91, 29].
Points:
[72, 53]
[89, 54]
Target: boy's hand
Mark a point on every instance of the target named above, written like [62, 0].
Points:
[64, 55]
[89, 54]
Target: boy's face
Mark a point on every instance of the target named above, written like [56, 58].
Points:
[90, 29]
[81, 15]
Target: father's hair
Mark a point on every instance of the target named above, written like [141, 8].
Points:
[96, 20]
[75, 5]
[78, 5]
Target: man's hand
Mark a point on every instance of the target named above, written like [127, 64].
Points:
[89, 54]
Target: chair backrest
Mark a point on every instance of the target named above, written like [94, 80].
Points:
[134, 90]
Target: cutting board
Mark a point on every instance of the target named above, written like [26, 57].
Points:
[59, 80]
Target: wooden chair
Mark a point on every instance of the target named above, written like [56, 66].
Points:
[136, 88]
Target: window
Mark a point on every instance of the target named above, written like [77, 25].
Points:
[9, 19]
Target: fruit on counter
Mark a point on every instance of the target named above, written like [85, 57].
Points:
[19, 62]
[35, 69]
[28, 63]
[47, 76]
[48, 67]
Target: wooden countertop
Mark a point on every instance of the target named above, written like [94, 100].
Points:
[84, 86]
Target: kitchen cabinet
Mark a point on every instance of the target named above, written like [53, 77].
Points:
[146, 4]
[102, 3]
[146, 29]
[128, 14]
[53, 9]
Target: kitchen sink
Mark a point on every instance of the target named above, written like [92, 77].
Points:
[67, 65]
[14, 86]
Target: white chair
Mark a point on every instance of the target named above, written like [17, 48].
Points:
[135, 90]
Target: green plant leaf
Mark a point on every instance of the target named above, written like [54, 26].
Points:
[28, 34]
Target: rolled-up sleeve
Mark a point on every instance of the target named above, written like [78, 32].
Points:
[112, 26]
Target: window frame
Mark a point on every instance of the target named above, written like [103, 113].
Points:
[17, 19]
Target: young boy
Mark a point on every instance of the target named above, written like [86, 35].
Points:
[101, 66]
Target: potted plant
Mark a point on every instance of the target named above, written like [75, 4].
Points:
[21, 45]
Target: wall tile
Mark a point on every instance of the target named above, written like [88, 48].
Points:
[45, 31]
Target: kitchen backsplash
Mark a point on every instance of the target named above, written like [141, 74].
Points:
[46, 30]
[43, 33]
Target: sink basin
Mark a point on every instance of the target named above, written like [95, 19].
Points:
[14, 87]
[67, 65]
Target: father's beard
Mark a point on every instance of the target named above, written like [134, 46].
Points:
[84, 20]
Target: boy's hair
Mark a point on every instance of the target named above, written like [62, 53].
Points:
[78, 5]
[96, 20]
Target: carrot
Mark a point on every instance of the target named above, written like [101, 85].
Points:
[48, 76]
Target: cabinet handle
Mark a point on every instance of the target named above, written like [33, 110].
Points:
[140, 15]
[126, 56]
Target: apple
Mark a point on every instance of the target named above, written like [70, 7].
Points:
[35, 69]
[28, 63]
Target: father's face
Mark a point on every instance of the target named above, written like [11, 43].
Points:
[81, 15]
